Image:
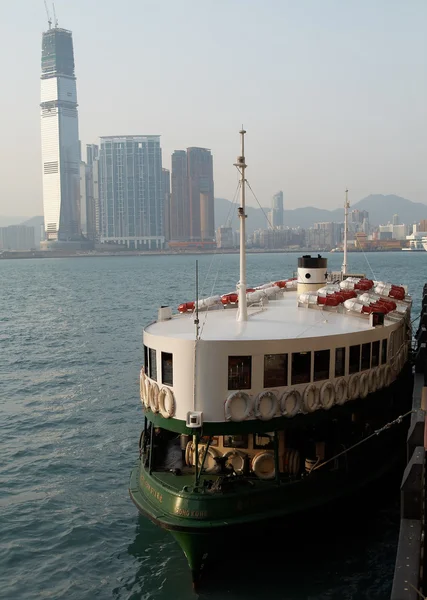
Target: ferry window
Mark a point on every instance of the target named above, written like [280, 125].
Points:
[146, 358]
[301, 367]
[366, 356]
[263, 441]
[321, 364]
[153, 364]
[375, 354]
[339, 362]
[384, 352]
[239, 372]
[167, 368]
[236, 441]
[275, 370]
[354, 365]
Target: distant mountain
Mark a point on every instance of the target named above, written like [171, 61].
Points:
[37, 223]
[33, 222]
[381, 210]
[6, 221]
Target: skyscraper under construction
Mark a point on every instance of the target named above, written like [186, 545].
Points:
[60, 137]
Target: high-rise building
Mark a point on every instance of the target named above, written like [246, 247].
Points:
[92, 160]
[17, 237]
[357, 216]
[201, 193]
[130, 191]
[166, 191]
[277, 210]
[423, 225]
[395, 220]
[60, 137]
[224, 237]
[179, 211]
[192, 216]
[89, 203]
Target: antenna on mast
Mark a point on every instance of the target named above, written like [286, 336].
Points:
[55, 20]
[346, 207]
[242, 312]
[196, 320]
[49, 18]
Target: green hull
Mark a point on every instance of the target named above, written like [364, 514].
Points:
[197, 518]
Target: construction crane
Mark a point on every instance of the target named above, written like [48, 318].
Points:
[49, 19]
[55, 20]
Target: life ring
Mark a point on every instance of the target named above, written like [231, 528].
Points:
[153, 398]
[266, 405]
[263, 465]
[364, 385]
[327, 395]
[354, 386]
[212, 453]
[380, 377]
[341, 389]
[189, 453]
[311, 398]
[142, 385]
[372, 377]
[166, 402]
[291, 461]
[146, 400]
[238, 406]
[388, 375]
[290, 403]
[235, 456]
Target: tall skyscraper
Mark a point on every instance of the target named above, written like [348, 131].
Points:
[130, 191]
[166, 191]
[89, 209]
[180, 210]
[60, 137]
[92, 160]
[277, 210]
[201, 193]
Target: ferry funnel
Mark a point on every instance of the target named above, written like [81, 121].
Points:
[312, 273]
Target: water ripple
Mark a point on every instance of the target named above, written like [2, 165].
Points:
[70, 337]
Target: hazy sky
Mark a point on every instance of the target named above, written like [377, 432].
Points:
[333, 93]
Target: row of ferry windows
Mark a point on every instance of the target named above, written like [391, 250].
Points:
[361, 357]
[150, 361]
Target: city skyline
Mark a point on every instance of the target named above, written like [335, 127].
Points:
[351, 89]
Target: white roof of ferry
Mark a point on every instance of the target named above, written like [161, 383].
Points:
[279, 319]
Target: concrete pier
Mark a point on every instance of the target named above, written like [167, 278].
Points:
[410, 575]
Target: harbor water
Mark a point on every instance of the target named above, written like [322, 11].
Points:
[70, 415]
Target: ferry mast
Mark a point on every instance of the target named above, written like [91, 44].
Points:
[346, 207]
[242, 313]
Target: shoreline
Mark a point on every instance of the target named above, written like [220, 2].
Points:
[5, 255]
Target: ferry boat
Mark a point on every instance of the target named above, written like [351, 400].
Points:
[269, 402]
